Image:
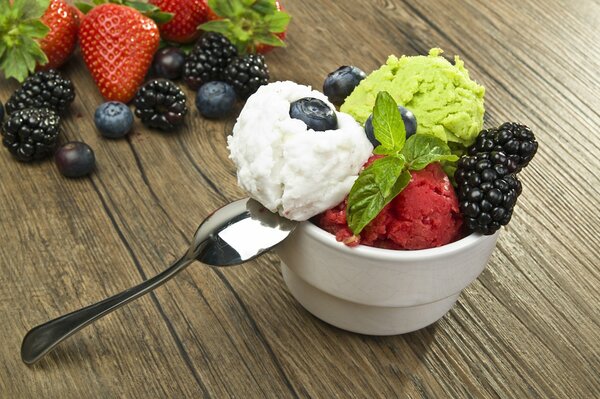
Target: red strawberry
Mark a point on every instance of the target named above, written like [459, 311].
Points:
[35, 33]
[251, 26]
[59, 43]
[117, 44]
[187, 15]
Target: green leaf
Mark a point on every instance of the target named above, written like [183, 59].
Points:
[17, 63]
[270, 39]
[277, 22]
[84, 7]
[142, 7]
[227, 8]
[265, 7]
[161, 17]
[422, 149]
[223, 26]
[374, 188]
[31, 9]
[387, 122]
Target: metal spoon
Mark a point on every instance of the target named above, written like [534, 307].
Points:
[236, 233]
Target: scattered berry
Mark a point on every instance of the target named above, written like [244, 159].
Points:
[208, 60]
[487, 191]
[168, 63]
[31, 134]
[410, 124]
[59, 43]
[340, 83]
[187, 15]
[516, 141]
[118, 44]
[160, 104]
[215, 99]
[113, 119]
[75, 159]
[317, 115]
[44, 89]
[247, 74]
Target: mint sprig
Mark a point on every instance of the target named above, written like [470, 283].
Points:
[379, 183]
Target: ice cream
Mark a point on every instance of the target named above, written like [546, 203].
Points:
[290, 169]
[445, 101]
[424, 215]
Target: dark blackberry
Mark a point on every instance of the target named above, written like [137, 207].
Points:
[160, 104]
[247, 74]
[487, 191]
[44, 89]
[31, 133]
[516, 141]
[211, 54]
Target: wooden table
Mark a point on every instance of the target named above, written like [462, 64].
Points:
[529, 327]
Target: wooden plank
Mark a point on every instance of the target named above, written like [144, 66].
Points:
[528, 327]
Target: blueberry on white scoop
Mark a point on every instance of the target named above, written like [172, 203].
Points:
[315, 113]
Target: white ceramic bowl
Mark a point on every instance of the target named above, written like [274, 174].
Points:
[378, 291]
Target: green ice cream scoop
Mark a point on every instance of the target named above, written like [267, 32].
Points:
[444, 100]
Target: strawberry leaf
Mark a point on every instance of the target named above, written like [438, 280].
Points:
[277, 22]
[265, 7]
[222, 26]
[270, 39]
[20, 30]
[84, 7]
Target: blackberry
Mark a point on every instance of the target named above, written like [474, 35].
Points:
[516, 141]
[160, 104]
[211, 54]
[247, 74]
[31, 133]
[487, 191]
[44, 89]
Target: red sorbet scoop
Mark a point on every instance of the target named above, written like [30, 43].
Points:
[424, 215]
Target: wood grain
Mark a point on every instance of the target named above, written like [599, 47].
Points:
[529, 327]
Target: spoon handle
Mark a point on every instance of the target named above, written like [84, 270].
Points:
[42, 339]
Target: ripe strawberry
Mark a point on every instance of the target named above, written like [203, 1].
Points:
[117, 44]
[35, 33]
[59, 43]
[251, 26]
[187, 15]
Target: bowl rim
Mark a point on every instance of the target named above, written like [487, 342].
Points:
[365, 251]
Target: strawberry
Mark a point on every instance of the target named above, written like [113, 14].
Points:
[35, 33]
[187, 15]
[117, 43]
[250, 25]
[59, 43]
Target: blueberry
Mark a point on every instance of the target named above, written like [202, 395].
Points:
[168, 63]
[340, 83]
[113, 119]
[215, 99]
[315, 113]
[75, 159]
[410, 124]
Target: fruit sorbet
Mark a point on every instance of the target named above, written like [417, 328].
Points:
[424, 215]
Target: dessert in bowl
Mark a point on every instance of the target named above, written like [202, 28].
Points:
[401, 192]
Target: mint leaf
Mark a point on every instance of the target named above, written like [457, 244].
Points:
[422, 149]
[374, 188]
[388, 125]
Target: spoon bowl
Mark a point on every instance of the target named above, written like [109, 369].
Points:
[234, 234]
